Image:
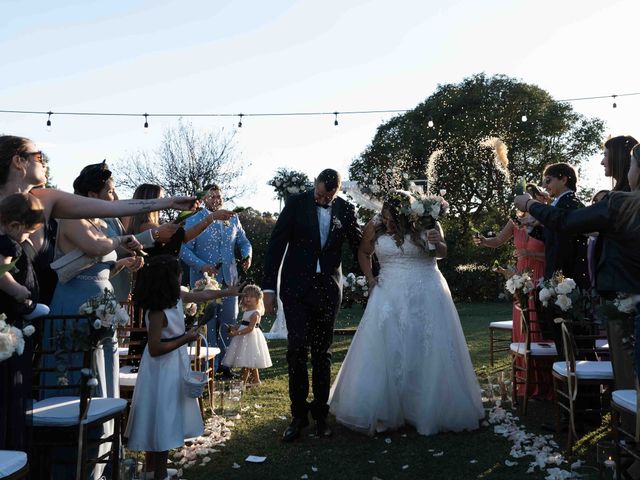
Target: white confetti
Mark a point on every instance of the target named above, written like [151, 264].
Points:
[304, 477]
[387, 441]
[509, 463]
[473, 461]
[314, 469]
[438, 454]
[404, 467]
[235, 465]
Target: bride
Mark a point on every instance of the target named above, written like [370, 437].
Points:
[408, 361]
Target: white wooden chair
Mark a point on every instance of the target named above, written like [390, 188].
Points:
[13, 465]
[499, 343]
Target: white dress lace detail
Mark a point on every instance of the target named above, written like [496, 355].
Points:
[408, 362]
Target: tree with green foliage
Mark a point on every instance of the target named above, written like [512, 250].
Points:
[452, 127]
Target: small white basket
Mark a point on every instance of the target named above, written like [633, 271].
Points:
[194, 382]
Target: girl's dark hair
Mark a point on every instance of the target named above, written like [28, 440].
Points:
[404, 226]
[10, 145]
[560, 170]
[619, 155]
[23, 208]
[146, 191]
[92, 178]
[158, 283]
[594, 199]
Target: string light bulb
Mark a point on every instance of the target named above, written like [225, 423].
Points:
[335, 121]
[146, 123]
[524, 118]
[430, 123]
[49, 121]
[240, 122]
[615, 105]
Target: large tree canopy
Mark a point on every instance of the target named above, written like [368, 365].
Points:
[465, 114]
[455, 121]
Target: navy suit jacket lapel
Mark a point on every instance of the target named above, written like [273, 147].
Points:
[315, 225]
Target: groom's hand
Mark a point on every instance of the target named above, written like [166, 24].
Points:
[269, 303]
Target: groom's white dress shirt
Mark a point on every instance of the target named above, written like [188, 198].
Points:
[324, 223]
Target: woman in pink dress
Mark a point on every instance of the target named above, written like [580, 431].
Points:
[529, 252]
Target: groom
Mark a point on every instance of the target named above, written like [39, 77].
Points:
[314, 225]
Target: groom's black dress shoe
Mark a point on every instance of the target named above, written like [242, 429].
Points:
[322, 429]
[293, 431]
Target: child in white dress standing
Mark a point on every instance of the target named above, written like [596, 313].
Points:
[248, 348]
[162, 416]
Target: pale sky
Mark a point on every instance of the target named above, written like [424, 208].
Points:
[282, 55]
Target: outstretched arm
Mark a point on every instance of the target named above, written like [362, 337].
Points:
[61, 204]
[503, 237]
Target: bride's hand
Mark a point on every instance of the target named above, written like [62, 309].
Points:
[372, 282]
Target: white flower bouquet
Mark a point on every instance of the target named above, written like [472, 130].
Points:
[424, 211]
[12, 338]
[288, 182]
[560, 291]
[106, 309]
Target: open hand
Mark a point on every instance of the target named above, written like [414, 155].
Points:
[183, 203]
[521, 201]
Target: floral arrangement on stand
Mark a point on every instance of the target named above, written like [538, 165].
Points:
[288, 182]
[12, 338]
[104, 314]
[559, 291]
[355, 289]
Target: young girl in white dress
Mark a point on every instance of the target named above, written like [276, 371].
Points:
[248, 348]
[162, 416]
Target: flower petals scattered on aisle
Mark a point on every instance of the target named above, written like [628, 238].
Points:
[542, 448]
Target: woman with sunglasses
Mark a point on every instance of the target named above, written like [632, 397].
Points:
[22, 169]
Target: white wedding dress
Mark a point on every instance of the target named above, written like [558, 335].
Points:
[408, 362]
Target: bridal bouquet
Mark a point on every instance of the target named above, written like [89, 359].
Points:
[106, 309]
[12, 338]
[288, 182]
[425, 210]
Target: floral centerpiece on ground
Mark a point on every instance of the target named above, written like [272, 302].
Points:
[12, 338]
[288, 182]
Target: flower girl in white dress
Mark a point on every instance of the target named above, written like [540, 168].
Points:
[162, 416]
[248, 348]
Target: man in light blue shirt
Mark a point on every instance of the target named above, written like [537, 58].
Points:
[213, 252]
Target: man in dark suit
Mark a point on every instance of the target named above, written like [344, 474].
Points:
[562, 250]
[314, 226]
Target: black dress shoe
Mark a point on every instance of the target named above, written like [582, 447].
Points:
[293, 431]
[322, 429]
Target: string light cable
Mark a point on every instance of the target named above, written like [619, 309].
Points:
[334, 114]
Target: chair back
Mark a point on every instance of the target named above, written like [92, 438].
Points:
[63, 357]
[132, 337]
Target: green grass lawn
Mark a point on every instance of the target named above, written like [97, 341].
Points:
[401, 454]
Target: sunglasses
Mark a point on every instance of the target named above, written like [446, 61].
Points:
[547, 180]
[37, 156]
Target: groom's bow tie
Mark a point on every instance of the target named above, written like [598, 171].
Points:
[323, 206]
